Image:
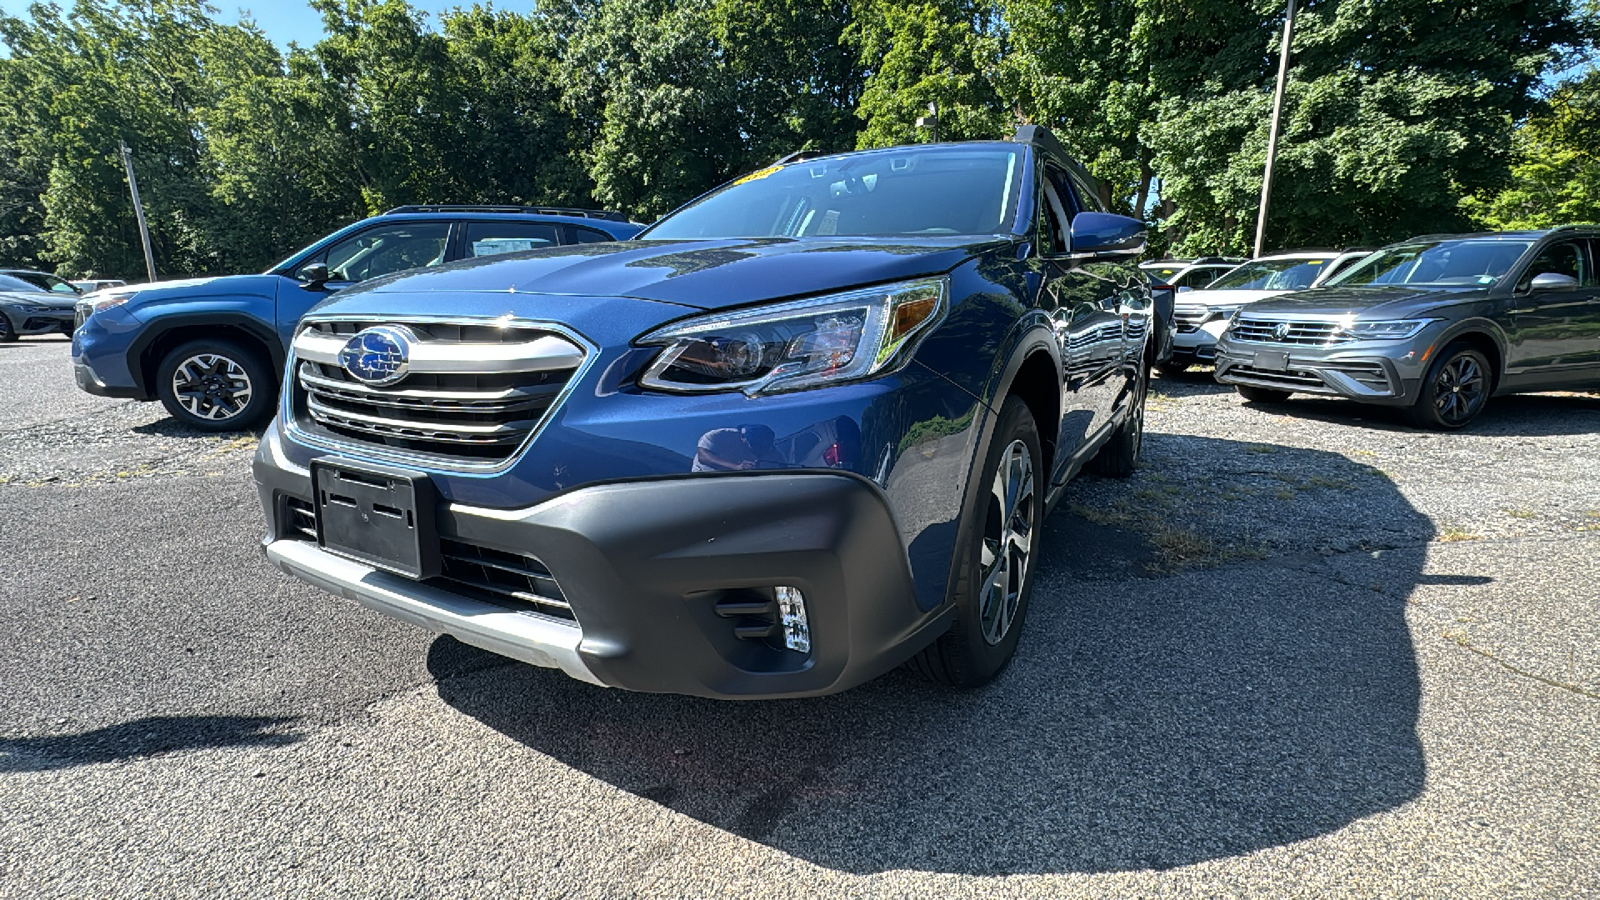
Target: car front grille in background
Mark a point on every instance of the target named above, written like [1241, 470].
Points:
[473, 393]
[1314, 334]
[510, 580]
[1189, 317]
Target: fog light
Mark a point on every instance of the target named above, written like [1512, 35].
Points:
[792, 613]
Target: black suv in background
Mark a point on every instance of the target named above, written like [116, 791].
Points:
[1437, 324]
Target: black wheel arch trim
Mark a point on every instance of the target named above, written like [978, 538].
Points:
[168, 324]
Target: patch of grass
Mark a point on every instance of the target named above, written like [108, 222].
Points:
[1284, 493]
[1455, 533]
[1178, 547]
[1330, 483]
[1522, 514]
[1260, 448]
[1365, 453]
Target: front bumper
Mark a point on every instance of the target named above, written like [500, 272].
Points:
[651, 570]
[1353, 371]
[35, 320]
[1198, 345]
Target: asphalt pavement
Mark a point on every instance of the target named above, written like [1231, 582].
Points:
[1305, 651]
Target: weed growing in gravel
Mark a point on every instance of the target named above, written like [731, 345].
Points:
[1521, 513]
[1260, 448]
[1454, 533]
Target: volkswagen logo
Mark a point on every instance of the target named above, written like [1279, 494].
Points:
[1280, 331]
[378, 356]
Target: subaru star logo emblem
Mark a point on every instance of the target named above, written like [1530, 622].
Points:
[378, 356]
[1280, 331]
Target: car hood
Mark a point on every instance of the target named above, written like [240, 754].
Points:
[713, 274]
[177, 289]
[1223, 298]
[1384, 301]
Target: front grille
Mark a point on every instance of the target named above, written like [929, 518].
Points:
[1189, 317]
[1305, 334]
[510, 580]
[1294, 379]
[473, 392]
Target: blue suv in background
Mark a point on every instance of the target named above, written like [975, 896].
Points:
[211, 349]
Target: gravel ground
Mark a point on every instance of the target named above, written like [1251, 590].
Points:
[1304, 652]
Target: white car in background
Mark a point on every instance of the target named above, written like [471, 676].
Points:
[1202, 315]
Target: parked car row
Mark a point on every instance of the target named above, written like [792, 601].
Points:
[34, 303]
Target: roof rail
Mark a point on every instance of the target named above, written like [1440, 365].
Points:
[498, 208]
[800, 155]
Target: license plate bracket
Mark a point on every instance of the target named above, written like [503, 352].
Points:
[1272, 360]
[378, 515]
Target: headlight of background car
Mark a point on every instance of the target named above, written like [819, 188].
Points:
[1225, 313]
[791, 346]
[1395, 330]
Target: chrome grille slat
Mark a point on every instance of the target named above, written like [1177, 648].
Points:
[1303, 333]
[473, 392]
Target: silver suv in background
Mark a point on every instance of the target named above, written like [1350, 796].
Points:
[1201, 315]
[1435, 324]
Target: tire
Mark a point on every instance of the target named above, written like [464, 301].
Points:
[1261, 394]
[1455, 390]
[1120, 456]
[7, 333]
[216, 386]
[1171, 369]
[991, 599]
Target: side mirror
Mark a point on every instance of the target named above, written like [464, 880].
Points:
[1548, 280]
[315, 275]
[1106, 236]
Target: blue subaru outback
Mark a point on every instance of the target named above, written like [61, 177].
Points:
[801, 431]
[210, 349]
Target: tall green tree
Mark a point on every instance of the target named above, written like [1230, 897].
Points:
[943, 52]
[1555, 176]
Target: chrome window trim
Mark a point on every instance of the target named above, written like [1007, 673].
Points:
[432, 462]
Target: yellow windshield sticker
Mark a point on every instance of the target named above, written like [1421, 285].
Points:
[758, 174]
[1316, 262]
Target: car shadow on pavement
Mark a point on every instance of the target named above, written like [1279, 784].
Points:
[1520, 415]
[1147, 722]
[142, 737]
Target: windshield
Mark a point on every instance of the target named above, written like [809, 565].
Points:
[1271, 275]
[13, 283]
[1472, 262]
[904, 191]
[42, 281]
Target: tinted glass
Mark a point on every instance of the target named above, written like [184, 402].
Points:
[906, 191]
[13, 283]
[491, 238]
[391, 248]
[1271, 275]
[588, 236]
[43, 281]
[1567, 259]
[1458, 262]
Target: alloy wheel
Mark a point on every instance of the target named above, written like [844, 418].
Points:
[1459, 389]
[1007, 541]
[212, 386]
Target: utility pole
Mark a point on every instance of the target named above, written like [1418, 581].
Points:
[138, 210]
[1272, 136]
[931, 120]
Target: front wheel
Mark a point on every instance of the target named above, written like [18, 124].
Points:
[1455, 391]
[7, 333]
[997, 542]
[215, 386]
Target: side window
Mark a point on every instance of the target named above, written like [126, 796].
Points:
[1089, 197]
[1566, 259]
[386, 249]
[491, 238]
[587, 235]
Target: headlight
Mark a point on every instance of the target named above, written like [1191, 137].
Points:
[1395, 330]
[1225, 313]
[792, 346]
[104, 300]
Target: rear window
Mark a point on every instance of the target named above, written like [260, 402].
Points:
[494, 238]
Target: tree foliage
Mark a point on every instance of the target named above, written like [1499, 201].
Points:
[1395, 112]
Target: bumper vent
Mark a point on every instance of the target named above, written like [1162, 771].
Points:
[472, 393]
